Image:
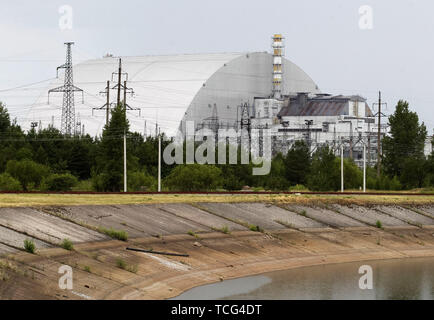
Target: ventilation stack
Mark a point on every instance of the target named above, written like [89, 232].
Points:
[278, 53]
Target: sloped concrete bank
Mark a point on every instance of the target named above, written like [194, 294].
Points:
[222, 241]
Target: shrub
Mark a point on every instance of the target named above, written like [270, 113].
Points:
[395, 184]
[255, 228]
[225, 230]
[193, 234]
[59, 182]
[120, 263]
[27, 172]
[87, 269]
[8, 183]
[141, 181]
[115, 234]
[83, 185]
[378, 224]
[29, 246]
[67, 244]
[194, 177]
[299, 187]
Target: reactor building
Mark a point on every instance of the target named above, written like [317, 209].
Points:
[262, 90]
[165, 91]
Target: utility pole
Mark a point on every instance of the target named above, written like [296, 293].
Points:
[342, 168]
[309, 123]
[125, 161]
[369, 143]
[125, 133]
[364, 167]
[119, 80]
[107, 107]
[379, 136]
[159, 161]
[380, 104]
[351, 139]
[118, 87]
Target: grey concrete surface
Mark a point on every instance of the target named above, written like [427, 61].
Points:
[369, 215]
[327, 217]
[406, 215]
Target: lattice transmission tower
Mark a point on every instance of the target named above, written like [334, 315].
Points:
[68, 89]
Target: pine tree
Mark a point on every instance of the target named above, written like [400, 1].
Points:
[406, 140]
[109, 168]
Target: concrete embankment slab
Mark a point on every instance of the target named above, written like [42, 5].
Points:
[369, 215]
[4, 249]
[277, 214]
[45, 226]
[406, 215]
[10, 238]
[137, 220]
[325, 216]
[237, 212]
[427, 210]
[191, 213]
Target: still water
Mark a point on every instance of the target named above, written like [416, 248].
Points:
[392, 279]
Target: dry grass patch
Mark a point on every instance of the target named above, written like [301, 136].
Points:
[28, 200]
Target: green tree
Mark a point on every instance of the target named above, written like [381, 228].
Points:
[27, 172]
[413, 172]
[59, 182]
[194, 177]
[276, 180]
[406, 140]
[353, 176]
[141, 181]
[108, 174]
[5, 121]
[297, 163]
[325, 172]
[8, 183]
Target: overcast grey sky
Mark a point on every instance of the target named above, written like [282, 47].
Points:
[322, 37]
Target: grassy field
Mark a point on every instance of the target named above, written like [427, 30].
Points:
[28, 200]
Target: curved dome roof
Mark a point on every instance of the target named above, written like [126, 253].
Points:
[164, 86]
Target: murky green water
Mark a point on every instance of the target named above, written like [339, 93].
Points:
[392, 279]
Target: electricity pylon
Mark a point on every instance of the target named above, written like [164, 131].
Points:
[68, 89]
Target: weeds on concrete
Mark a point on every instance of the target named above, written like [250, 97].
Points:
[67, 244]
[115, 234]
[286, 224]
[379, 241]
[29, 246]
[121, 264]
[223, 229]
[193, 234]
[255, 228]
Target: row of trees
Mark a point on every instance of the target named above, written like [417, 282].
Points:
[47, 160]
